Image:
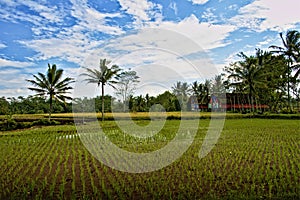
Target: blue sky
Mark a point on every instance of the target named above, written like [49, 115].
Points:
[163, 40]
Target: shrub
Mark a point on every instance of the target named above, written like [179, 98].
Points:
[45, 122]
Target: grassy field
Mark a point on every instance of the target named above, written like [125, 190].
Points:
[253, 159]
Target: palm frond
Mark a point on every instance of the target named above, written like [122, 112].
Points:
[57, 76]
[38, 82]
[38, 90]
[51, 73]
[64, 82]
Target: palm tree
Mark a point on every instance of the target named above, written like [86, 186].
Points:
[102, 77]
[218, 84]
[181, 90]
[249, 74]
[201, 91]
[51, 85]
[195, 88]
[291, 50]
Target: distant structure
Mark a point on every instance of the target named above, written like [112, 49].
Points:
[234, 102]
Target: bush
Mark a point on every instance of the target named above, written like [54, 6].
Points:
[45, 122]
[22, 125]
[287, 111]
[8, 123]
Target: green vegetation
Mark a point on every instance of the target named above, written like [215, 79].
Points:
[291, 50]
[253, 159]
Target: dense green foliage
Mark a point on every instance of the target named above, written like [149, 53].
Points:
[264, 79]
[31, 105]
[253, 159]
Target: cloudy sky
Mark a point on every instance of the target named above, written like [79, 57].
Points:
[163, 40]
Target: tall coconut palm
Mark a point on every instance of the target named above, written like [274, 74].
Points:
[51, 85]
[249, 74]
[291, 50]
[103, 76]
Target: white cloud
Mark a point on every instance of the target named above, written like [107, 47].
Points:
[2, 46]
[264, 15]
[209, 15]
[12, 83]
[74, 49]
[14, 92]
[268, 41]
[15, 16]
[233, 7]
[12, 63]
[164, 54]
[8, 2]
[9, 78]
[207, 36]
[46, 13]
[142, 10]
[173, 6]
[76, 42]
[199, 1]
[137, 8]
[92, 20]
[51, 14]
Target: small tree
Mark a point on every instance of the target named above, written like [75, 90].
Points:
[126, 86]
[4, 106]
[51, 85]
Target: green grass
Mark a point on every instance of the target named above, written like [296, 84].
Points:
[253, 159]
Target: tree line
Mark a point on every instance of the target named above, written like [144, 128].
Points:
[269, 77]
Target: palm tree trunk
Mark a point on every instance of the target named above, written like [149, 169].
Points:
[124, 106]
[257, 107]
[234, 104]
[124, 102]
[249, 102]
[102, 110]
[230, 104]
[288, 86]
[241, 102]
[252, 102]
[50, 107]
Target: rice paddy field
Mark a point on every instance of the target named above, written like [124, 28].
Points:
[253, 159]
